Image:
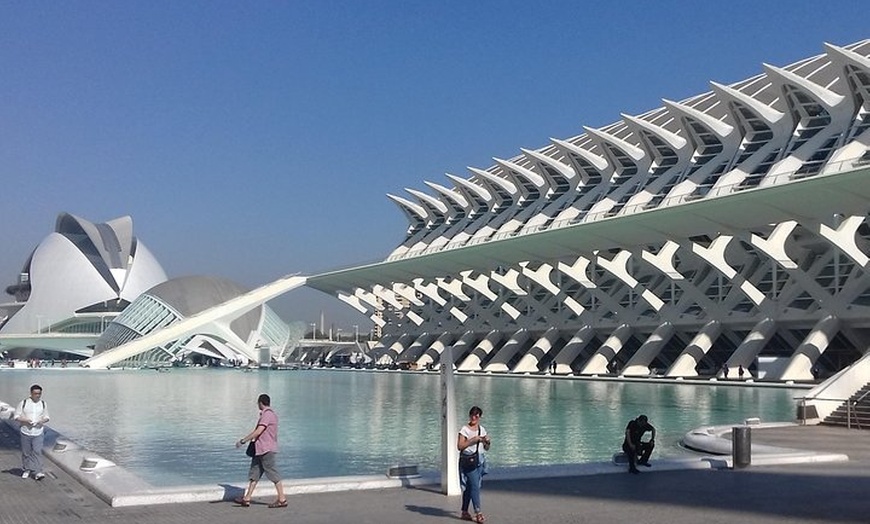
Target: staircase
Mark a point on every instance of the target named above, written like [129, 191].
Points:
[854, 413]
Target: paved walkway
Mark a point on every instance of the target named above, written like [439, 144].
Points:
[831, 493]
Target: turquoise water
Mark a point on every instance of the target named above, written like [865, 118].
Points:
[179, 428]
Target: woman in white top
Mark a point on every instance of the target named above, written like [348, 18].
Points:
[472, 437]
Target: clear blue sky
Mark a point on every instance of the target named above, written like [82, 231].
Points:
[249, 140]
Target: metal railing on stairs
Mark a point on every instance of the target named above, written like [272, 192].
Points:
[848, 402]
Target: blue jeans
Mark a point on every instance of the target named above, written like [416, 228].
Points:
[31, 452]
[469, 481]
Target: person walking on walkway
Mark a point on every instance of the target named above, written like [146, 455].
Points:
[32, 414]
[264, 437]
[638, 452]
[472, 463]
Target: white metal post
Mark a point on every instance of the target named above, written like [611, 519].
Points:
[449, 431]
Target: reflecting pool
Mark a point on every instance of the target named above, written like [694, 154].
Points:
[180, 427]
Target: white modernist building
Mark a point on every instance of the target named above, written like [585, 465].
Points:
[257, 335]
[723, 231]
[728, 229]
[73, 284]
[88, 288]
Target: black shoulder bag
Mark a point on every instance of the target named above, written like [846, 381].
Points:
[468, 462]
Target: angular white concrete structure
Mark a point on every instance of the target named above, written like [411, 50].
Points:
[75, 282]
[721, 228]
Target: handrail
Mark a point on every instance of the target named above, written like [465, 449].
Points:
[848, 402]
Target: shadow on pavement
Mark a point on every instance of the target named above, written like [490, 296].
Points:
[834, 496]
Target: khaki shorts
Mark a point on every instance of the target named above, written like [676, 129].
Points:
[264, 463]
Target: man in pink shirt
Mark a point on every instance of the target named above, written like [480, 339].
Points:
[265, 439]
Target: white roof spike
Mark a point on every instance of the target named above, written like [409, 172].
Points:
[822, 94]
[541, 158]
[848, 56]
[477, 189]
[772, 116]
[716, 126]
[675, 141]
[631, 150]
[453, 195]
[409, 207]
[504, 183]
[434, 202]
[597, 161]
[528, 174]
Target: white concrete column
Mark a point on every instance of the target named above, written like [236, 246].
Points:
[417, 347]
[396, 348]
[801, 364]
[460, 348]
[752, 345]
[603, 355]
[572, 349]
[685, 364]
[434, 350]
[532, 359]
[639, 363]
[499, 361]
[449, 431]
[480, 352]
[844, 237]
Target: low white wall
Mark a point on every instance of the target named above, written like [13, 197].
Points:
[830, 394]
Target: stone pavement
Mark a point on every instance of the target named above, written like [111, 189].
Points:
[803, 493]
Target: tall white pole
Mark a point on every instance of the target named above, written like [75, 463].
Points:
[449, 431]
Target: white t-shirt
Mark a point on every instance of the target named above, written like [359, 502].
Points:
[468, 432]
[33, 411]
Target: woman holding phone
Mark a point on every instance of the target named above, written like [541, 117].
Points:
[472, 443]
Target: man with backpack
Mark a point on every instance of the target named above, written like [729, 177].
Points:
[32, 414]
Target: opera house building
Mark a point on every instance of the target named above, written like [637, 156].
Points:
[89, 287]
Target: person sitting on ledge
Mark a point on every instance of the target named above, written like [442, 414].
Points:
[638, 452]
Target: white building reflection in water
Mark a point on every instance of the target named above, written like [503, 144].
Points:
[179, 427]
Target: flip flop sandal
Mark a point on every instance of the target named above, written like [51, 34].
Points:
[479, 518]
[242, 502]
[279, 504]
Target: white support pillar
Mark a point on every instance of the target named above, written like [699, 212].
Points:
[685, 364]
[844, 238]
[752, 345]
[481, 351]
[572, 349]
[460, 348]
[532, 359]
[499, 361]
[417, 348]
[434, 350]
[639, 363]
[449, 431]
[398, 347]
[800, 367]
[603, 355]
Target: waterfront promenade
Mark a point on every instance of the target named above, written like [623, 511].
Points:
[804, 492]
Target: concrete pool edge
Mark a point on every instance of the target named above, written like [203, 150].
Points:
[118, 487]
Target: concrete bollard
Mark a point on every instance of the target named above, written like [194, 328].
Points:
[741, 446]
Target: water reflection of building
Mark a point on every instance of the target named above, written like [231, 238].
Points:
[726, 229]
